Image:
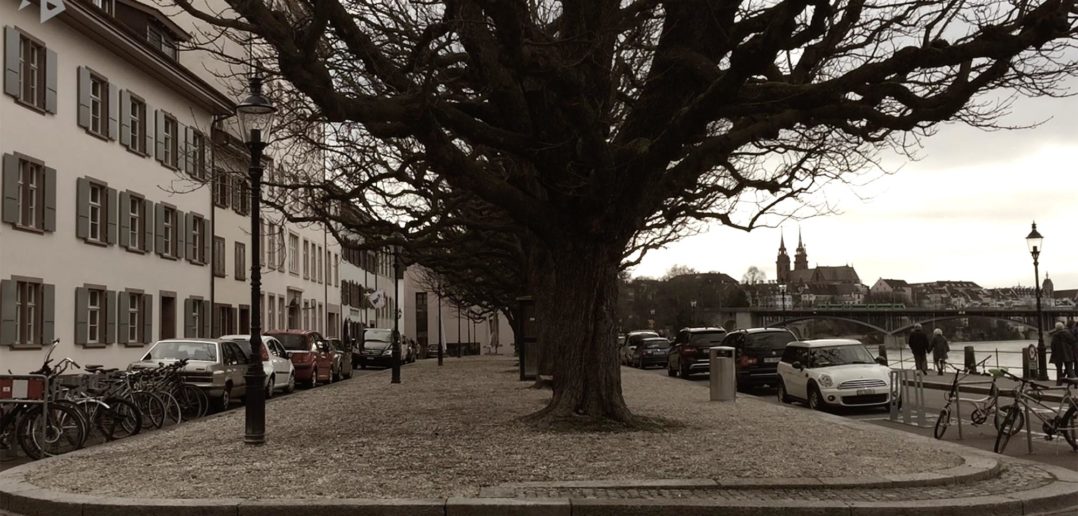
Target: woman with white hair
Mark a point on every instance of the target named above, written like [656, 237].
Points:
[1062, 353]
[940, 347]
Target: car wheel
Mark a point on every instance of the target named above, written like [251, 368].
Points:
[335, 376]
[685, 373]
[270, 386]
[783, 397]
[222, 403]
[314, 378]
[815, 399]
[362, 365]
[291, 383]
[670, 371]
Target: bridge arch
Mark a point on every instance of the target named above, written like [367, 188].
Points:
[794, 319]
[950, 317]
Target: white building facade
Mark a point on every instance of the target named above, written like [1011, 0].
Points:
[430, 319]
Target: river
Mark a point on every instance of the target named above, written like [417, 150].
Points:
[1002, 353]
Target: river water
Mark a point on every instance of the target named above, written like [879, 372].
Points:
[1002, 353]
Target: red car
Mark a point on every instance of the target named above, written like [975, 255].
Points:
[311, 355]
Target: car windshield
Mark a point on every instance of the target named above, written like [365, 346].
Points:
[657, 344]
[706, 337]
[245, 347]
[375, 344]
[337, 345]
[775, 340]
[378, 334]
[178, 350]
[293, 342]
[839, 355]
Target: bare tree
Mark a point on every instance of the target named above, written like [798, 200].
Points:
[754, 276]
[599, 127]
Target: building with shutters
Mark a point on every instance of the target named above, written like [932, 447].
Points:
[124, 215]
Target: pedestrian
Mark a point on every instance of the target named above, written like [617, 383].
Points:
[918, 343]
[1062, 353]
[940, 347]
[1073, 328]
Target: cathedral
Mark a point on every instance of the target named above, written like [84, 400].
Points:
[803, 275]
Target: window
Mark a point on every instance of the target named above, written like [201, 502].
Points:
[219, 257]
[136, 223]
[241, 261]
[104, 5]
[336, 269]
[99, 106]
[136, 124]
[197, 241]
[280, 248]
[134, 317]
[169, 154]
[240, 195]
[31, 72]
[317, 272]
[97, 210]
[306, 260]
[30, 194]
[168, 231]
[198, 155]
[95, 316]
[293, 253]
[221, 180]
[161, 41]
[271, 247]
[28, 313]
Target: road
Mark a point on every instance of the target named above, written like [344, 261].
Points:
[8, 461]
[1056, 452]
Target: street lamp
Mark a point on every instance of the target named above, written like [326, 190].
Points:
[693, 305]
[782, 292]
[255, 116]
[1034, 242]
[397, 237]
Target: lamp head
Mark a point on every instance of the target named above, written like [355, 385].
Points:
[1034, 241]
[255, 113]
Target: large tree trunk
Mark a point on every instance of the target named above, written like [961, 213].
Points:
[576, 308]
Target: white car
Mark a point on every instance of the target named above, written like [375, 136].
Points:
[837, 372]
[280, 374]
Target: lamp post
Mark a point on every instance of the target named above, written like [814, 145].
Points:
[1034, 241]
[782, 292]
[255, 116]
[397, 237]
[693, 305]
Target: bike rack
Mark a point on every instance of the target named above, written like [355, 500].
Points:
[901, 383]
[25, 389]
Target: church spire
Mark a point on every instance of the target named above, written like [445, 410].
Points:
[801, 256]
[782, 241]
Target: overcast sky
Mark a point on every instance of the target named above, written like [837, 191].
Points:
[962, 212]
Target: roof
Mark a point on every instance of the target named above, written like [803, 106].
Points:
[160, 17]
[895, 283]
[822, 343]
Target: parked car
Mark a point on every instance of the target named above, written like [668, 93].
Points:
[757, 352]
[631, 340]
[311, 355]
[377, 348]
[650, 351]
[833, 372]
[342, 358]
[688, 354]
[280, 373]
[213, 365]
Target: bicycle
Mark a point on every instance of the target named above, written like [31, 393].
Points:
[42, 425]
[983, 407]
[1027, 398]
[114, 418]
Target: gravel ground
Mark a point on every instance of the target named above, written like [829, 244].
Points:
[449, 431]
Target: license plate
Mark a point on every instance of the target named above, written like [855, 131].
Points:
[771, 360]
[865, 392]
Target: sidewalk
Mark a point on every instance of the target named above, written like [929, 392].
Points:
[447, 442]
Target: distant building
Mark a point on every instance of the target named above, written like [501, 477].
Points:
[898, 290]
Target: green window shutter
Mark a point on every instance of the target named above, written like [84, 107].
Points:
[48, 313]
[122, 307]
[159, 131]
[82, 208]
[147, 224]
[112, 211]
[50, 81]
[125, 118]
[180, 235]
[49, 224]
[147, 319]
[189, 318]
[10, 206]
[114, 112]
[233, 327]
[207, 318]
[110, 316]
[82, 304]
[84, 97]
[11, 66]
[188, 153]
[124, 212]
[206, 242]
[189, 238]
[159, 230]
[7, 312]
[150, 132]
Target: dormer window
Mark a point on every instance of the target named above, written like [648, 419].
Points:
[105, 5]
[161, 41]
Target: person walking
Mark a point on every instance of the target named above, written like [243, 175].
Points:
[1072, 327]
[1062, 353]
[940, 347]
[918, 343]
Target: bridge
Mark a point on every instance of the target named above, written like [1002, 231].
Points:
[892, 322]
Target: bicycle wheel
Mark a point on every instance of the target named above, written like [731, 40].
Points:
[1017, 427]
[193, 402]
[173, 414]
[56, 431]
[120, 419]
[942, 422]
[1067, 427]
[151, 407]
[1008, 427]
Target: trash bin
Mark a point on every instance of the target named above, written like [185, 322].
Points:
[723, 373]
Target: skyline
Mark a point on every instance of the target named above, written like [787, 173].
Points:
[962, 212]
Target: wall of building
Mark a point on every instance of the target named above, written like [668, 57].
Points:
[423, 305]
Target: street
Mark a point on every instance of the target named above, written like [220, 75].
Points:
[1055, 452]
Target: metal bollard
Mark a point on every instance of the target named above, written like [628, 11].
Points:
[971, 360]
[883, 353]
[723, 378]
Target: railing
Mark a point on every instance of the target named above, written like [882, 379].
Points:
[1000, 359]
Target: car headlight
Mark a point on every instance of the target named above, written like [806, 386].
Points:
[388, 351]
[825, 381]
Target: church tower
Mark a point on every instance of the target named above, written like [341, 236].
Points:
[782, 264]
[801, 261]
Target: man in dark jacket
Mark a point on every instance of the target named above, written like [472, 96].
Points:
[918, 343]
[1062, 353]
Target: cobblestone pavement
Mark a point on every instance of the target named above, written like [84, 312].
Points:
[1013, 478]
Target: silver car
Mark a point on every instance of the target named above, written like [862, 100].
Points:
[213, 365]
